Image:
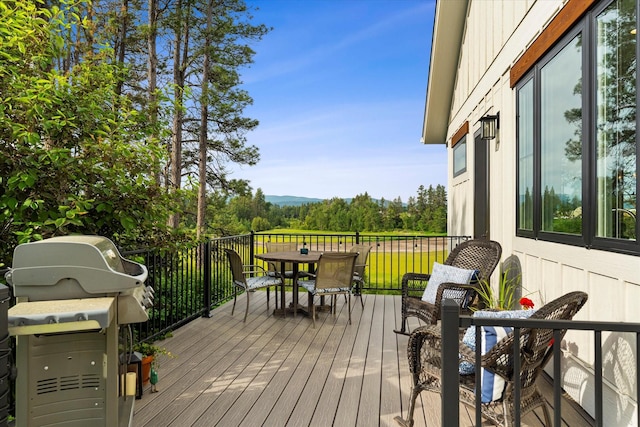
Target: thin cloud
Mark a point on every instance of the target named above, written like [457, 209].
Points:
[339, 90]
[323, 52]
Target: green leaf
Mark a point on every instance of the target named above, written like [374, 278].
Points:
[11, 203]
[103, 207]
[127, 222]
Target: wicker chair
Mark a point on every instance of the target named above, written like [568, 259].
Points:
[244, 277]
[333, 276]
[424, 351]
[361, 264]
[479, 254]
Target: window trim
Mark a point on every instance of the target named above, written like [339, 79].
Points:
[570, 14]
[464, 129]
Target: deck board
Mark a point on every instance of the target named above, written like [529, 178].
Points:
[368, 410]
[275, 371]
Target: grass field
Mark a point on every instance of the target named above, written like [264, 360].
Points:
[392, 254]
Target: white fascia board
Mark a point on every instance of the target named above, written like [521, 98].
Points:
[448, 29]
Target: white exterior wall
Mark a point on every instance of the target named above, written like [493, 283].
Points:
[497, 33]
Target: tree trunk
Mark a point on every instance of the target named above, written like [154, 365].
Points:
[152, 74]
[124, 12]
[204, 120]
[178, 114]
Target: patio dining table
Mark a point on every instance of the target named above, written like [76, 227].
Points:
[295, 258]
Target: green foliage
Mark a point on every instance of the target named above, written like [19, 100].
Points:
[71, 161]
[148, 349]
[426, 214]
[567, 225]
[504, 298]
[260, 224]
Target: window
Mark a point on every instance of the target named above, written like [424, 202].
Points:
[525, 156]
[460, 156]
[615, 121]
[561, 140]
[576, 131]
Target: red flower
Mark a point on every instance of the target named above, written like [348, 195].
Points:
[526, 303]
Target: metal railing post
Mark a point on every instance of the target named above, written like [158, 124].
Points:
[450, 382]
[206, 259]
[252, 241]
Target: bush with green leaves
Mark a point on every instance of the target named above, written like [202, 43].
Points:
[76, 155]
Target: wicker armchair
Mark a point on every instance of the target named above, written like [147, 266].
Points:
[424, 351]
[479, 254]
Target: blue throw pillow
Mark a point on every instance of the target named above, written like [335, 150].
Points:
[492, 384]
[445, 274]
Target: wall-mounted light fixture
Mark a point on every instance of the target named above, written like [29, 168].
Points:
[489, 125]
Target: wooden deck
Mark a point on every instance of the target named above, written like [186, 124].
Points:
[273, 371]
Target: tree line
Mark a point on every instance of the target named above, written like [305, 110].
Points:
[121, 118]
[426, 212]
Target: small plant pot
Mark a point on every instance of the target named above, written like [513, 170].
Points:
[146, 369]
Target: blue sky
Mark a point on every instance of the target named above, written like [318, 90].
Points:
[339, 88]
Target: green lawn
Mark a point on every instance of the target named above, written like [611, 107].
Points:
[392, 254]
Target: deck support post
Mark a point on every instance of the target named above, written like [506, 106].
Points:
[450, 383]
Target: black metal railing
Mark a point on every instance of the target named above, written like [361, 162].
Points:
[452, 321]
[186, 287]
[189, 282]
[390, 258]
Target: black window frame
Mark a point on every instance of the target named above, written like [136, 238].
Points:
[455, 147]
[587, 27]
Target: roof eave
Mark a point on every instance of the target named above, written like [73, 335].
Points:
[448, 29]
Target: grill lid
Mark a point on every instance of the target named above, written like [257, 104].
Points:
[69, 267]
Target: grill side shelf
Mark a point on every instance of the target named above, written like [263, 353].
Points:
[55, 316]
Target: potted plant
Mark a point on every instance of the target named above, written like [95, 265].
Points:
[504, 298]
[150, 358]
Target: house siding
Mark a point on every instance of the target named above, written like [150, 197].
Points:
[495, 36]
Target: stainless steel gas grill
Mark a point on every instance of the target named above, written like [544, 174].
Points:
[72, 294]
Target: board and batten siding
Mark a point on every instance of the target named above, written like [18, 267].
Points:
[496, 35]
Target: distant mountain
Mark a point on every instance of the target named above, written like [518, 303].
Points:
[297, 201]
[290, 200]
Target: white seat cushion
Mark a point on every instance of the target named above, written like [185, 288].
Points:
[262, 282]
[310, 286]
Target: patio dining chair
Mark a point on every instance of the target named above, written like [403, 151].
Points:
[275, 268]
[359, 271]
[424, 352]
[480, 255]
[333, 276]
[249, 277]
